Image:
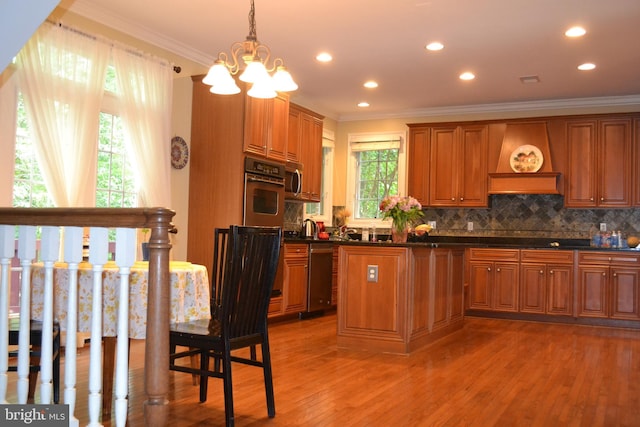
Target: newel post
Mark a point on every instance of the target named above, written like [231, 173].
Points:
[156, 374]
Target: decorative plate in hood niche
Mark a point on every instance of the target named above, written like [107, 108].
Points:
[526, 159]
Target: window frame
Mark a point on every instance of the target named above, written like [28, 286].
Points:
[326, 216]
[378, 141]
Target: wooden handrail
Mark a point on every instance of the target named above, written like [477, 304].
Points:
[158, 220]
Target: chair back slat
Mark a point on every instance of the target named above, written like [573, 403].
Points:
[251, 264]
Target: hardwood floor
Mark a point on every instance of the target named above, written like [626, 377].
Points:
[491, 373]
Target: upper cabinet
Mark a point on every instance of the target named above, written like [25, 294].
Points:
[418, 164]
[458, 166]
[266, 127]
[305, 132]
[599, 163]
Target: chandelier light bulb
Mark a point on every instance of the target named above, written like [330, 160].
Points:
[282, 80]
[255, 71]
[263, 88]
[218, 74]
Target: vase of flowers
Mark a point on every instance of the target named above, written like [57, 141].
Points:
[403, 211]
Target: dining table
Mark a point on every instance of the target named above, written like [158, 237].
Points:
[189, 300]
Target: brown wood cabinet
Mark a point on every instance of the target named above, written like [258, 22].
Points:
[293, 138]
[414, 296]
[418, 164]
[216, 178]
[636, 163]
[305, 130]
[609, 285]
[493, 279]
[546, 282]
[295, 276]
[458, 166]
[266, 127]
[599, 163]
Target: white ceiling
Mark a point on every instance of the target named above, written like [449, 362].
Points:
[499, 40]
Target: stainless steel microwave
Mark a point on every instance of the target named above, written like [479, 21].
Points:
[293, 180]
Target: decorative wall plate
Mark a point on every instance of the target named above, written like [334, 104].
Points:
[179, 152]
[526, 159]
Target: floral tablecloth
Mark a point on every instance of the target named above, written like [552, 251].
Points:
[189, 295]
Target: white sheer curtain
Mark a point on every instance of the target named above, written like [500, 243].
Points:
[62, 77]
[146, 87]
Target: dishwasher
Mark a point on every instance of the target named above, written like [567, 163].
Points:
[319, 279]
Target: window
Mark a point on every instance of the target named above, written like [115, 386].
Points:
[28, 186]
[323, 211]
[376, 168]
[115, 183]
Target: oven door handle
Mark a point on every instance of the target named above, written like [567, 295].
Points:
[254, 178]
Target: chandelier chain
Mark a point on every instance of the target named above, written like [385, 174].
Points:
[252, 23]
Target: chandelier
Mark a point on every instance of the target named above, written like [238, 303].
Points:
[251, 57]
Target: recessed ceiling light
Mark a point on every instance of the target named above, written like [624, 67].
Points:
[467, 75]
[530, 79]
[575, 32]
[587, 66]
[371, 84]
[363, 104]
[435, 46]
[324, 57]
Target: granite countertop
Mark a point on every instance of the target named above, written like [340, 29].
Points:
[473, 241]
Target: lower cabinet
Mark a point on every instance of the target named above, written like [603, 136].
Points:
[546, 282]
[294, 286]
[493, 279]
[608, 285]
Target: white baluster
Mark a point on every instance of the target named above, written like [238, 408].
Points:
[7, 244]
[73, 256]
[49, 251]
[125, 257]
[98, 256]
[26, 253]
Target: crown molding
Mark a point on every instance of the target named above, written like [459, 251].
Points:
[525, 107]
[98, 14]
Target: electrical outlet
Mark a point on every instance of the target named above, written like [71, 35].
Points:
[372, 273]
[603, 226]
[432, 224]
[470, 226]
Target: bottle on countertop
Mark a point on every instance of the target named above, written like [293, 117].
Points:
[365, 234]
[373, 237]
[614, 239]
[595, 237]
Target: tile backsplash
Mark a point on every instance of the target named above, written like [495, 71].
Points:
[515, 215]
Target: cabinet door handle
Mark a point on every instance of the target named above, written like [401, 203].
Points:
[498, 270]
[488, 268]
[602, 199]
[541, 271]
[604, 274]
[591, 199]
[551, 272]
[462, 199]
[615, 274]
[453, 199]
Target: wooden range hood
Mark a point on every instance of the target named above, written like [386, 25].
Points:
[506, 181]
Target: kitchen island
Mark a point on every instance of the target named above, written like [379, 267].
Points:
[396, 298]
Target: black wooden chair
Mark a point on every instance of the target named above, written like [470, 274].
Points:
[245, 263]
[35, 340]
